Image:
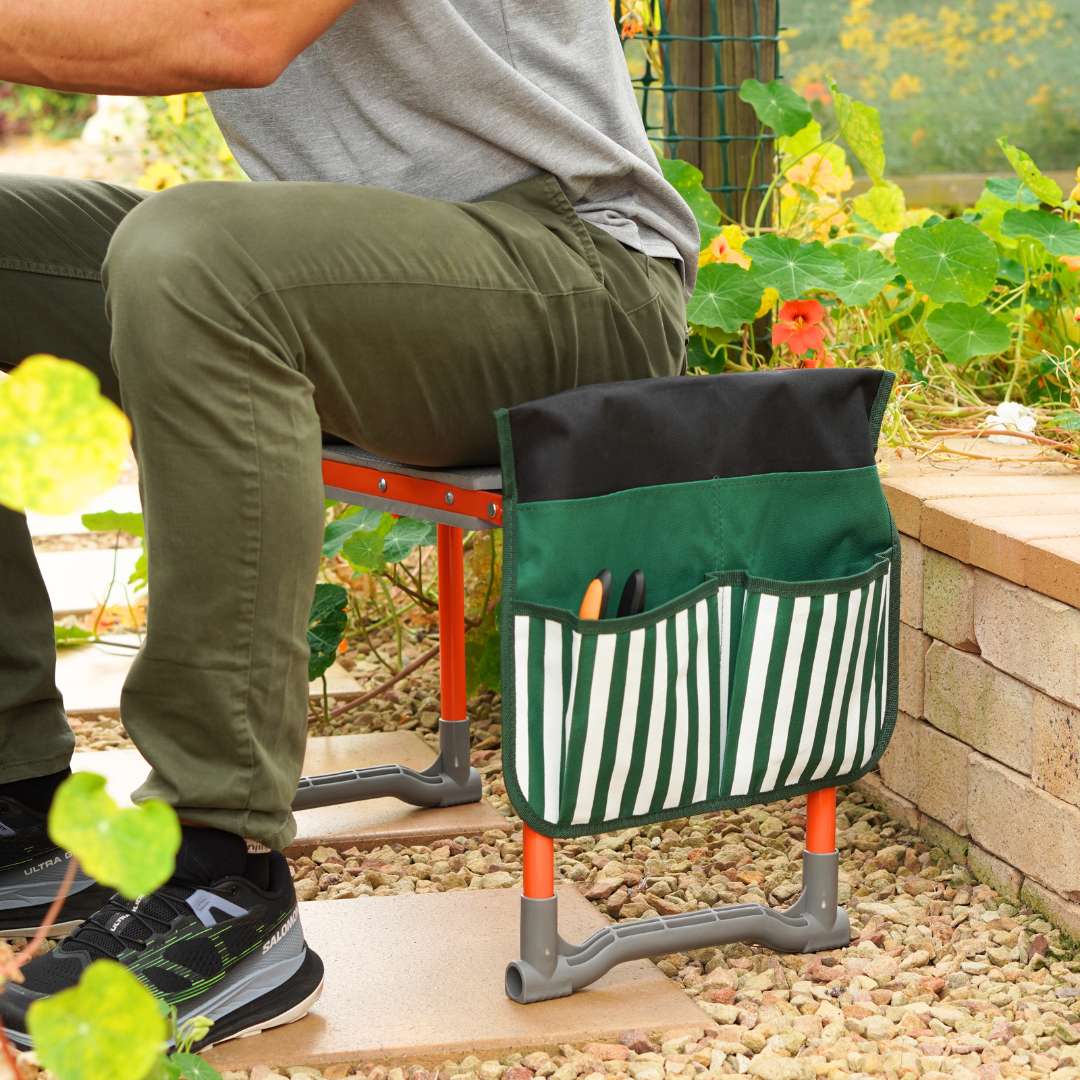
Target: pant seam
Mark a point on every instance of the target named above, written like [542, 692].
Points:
[48, 269]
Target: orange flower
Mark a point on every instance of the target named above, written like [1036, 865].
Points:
[819, 359]
[726, 247]
[799, 326]
[1072, 262]
[631, 26]
[817, 91]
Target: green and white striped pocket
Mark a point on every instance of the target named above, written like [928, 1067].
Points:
[743, 690]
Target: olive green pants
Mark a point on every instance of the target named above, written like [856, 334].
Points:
[233, 322]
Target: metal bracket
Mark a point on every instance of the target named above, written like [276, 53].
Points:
[449, 781]
[551, 967]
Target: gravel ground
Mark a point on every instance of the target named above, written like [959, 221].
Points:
[943, 978]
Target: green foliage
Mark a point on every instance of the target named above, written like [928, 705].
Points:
[686, 179]
[860, 128]
[108, 1025]
[1058, 236]
[61, 441]
[792, 268]
[963, 332]
[326, 627]
[130, 522]
[52, 113]
[882, 206]
[483, 655]
[69, 637]
[776, 105]
[866, 273]
[131, 850]
[184, 1067]
[1043, 186]
[726, 297]
[952, 261]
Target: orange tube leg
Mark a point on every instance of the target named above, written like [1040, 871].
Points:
[452, 622]
[821, 821]
[539, 858]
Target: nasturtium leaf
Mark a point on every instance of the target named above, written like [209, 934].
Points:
[130, 522]
[131, 850]
[776, 105]
[790, 267]
[883, 206]
[950, 261]
[61, 441]
[687, 180]
[107, 1025]
[866, 273]
[1047, 190]
[406, 535]
[1058, 236]
[726, 296]
[355, 519]
[1011, 190]
[69, 637]
[192, 1067]
[963, 331]
[326, 627]
[1068, 420]
[364, 549]
[860, 128]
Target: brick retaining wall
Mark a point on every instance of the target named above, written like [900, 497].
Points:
[985, 760]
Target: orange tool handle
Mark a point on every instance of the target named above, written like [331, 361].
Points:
[821, 821]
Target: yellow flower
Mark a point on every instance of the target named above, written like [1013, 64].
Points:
[768, 302]
[1075, 193]
[905, 86]
[161, 175]
[177, 104]
[1041, 96]
[726, 248]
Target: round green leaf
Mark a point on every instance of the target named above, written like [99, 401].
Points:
[883, 206]
[961, 332]
[326, 627]
[726, 296]
[406, 535]
[866, 273]
[1058, 236]
[792, 268]
[950, 261]
[776, 105]
[107, 1025]
[688, 182]
[61, 442]
[860, 128]
[131, 850]
[1047, 190]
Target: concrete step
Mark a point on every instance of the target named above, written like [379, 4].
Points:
[360, 824]
[419, 979]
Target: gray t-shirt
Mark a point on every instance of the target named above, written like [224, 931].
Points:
[455, 99]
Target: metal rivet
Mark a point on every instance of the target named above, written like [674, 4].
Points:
[449, 498]
[493, 510]
[382, 483]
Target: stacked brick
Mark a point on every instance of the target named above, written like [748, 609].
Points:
[985, 760]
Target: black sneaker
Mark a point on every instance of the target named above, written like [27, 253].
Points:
[31, 869]
[230, 951]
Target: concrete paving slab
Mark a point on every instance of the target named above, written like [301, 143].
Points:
[359, 824]
[91, 676]
[420, 979]
[78, 581]
[123, 497]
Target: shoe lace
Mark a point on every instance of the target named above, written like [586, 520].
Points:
[129, 924]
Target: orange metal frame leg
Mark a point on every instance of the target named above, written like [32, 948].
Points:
[821, 822]
[452, 622]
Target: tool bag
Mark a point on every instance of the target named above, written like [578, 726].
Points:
[765, 662]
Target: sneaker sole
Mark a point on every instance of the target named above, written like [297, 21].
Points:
[285, 1005]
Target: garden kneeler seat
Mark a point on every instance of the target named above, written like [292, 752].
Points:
[764, 665]
[456, 499]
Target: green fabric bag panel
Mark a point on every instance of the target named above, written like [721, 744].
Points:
[765, 662]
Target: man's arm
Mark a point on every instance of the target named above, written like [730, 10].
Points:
[156, 46]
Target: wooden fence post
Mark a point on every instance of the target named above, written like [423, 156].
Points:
[721, 129]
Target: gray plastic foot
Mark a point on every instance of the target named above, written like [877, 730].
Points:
[550, 967]
[448, 781]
